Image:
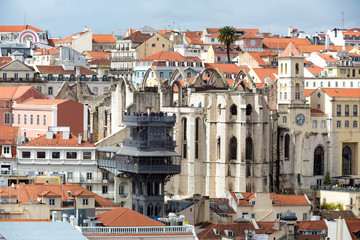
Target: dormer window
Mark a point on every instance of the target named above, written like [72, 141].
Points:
[219, 48]
[216, 231]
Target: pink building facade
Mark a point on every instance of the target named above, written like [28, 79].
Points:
[36, 115]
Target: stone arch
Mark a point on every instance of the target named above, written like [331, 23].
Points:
[241, 73]
[233, 148]
[189, 69]
[180, 93]
[146, 76]
[177, 73]
[216, 78]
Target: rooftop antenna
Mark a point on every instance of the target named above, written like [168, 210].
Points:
[342, 13]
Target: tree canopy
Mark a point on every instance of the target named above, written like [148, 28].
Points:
[227, 37]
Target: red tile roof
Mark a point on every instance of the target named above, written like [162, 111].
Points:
[315, 111]
[257, 58]
[353, 225]
[290, 51]
[282, 43]
[226, 68]
[54, 69]
[315, 70]
[223, 49]
[103, 38]
[342, 92]
[13, 92]
[100, 61]
[138, 37]
[249, 36]
[268, 53]
[18, 28]
[282, 199]
[4, 61]
[99, 54]
[238, 230]
[308, 92]
[263, 73]
[312, 225]
[122, 217]
[58, 141]
[351, 33]
[327, 57]
[317, 48]
[8, 192]
[48, 51]
[169, 56]
[26, 192]
[9, 135]
[194, 40]
[214, 35]
[52, 41]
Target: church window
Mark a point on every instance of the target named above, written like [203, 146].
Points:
[319, 161]
[287, 147]
[248, 155]
[296, 68]
[285, 95]
[233, 110]
[297, 91]
[346, 160]
[233, 148]
[281, 68]
[218, 148]
[248, 110]
[197, 125]
[184, 123]
[284, 119]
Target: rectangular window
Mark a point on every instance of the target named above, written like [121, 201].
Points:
[71, 155]
[55, 155]
[314, 124]
[89, 176]
[329, 84]
[37, 119]
[342, 71]
[19, 119]
[323, 123]
[355, 124]
[161, 74]
[153, 45]
[7, 118]
[307, 84]
[40, 154]
[85, 202]
[104, 189]
[105, 176]
[314, 84]
[16, 76]
[27, 76]
[6, 151]
[12, 119]
[338, 124]
[304, 216]
[347, 110]
[338, 110]
[5, 76]
[69, 175]
[355, 110]
[25, 154]
[284, 119]
[347, 124]
[31, 119]
[285, 95]
[52, 201]
[44, 120]
[87, 155]
[24, 119]
[89, 187]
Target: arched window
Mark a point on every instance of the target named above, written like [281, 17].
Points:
[61, 77]
[233, 110]
[218, 147]
[93, 78]
[49, 77]
[72, 77]
[281, 67]
[287, 146]
[296, 68]
[82, 78]
[248, 110]
[219, 109]
[346, 161]
[318, 161]
[285, 68]
[233, 148]
[248, 155]
[297, 91]
[197, 125]
[104, 78]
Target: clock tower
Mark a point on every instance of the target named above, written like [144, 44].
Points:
[294, 118]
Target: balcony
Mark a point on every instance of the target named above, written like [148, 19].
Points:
[149, 144]
[137, 230]
[339, 189]
[133, 118]
[123, 58]
[152, 169]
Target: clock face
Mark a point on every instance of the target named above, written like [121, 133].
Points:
[300, 119]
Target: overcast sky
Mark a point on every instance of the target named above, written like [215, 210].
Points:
[62, 18]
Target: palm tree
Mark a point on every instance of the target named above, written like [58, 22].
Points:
[227, 37]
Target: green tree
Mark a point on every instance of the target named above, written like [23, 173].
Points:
[227, 37]
[327, 178]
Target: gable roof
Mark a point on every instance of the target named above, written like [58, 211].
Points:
[165, 56]
[28, 193]
[242, 199]
[100, 61]
[250, 36]
[312, 225]
[55, 69]
[291, 51]
[99, 54]
[138, 37]
[13, 92]
[18, 28]
[282, 43]
[327, 57]
[58, 141]
[103, 38]
[9, 135]
[342, 92]
[263, 73]
[125, 217]
[353, 225]
[308, 92]
[4, 61]
[226, 68]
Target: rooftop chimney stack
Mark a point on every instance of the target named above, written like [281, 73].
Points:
[79, 138]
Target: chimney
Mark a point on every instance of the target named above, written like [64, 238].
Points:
[79, 138]
[66, 135]
[77, 71]
[49, 135]
[65, 217]
[327, 42]
[54, 216]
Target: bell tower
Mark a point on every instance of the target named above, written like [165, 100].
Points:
[291, 76]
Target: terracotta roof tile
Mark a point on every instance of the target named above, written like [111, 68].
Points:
[126, 217]
[282, 199]
[167, 56]
[99, 54]
[194, 40]
[9, 135]
[282, 43]
[263, 73]
[4, 61]
[221, 206]
[103, 38]
[54, 69]
[257, 57]
[48, 51]
[312, 225]
[291, 51]
[327, 57]
[58, 141]
[226, 68]
[53, 41]
[18, 28]
[317, 48]
[138, 37]
[353, 225]
[249, 36]
[315, 70]
[342, 92]
[13, 92]
[308, 92]
[100, 61]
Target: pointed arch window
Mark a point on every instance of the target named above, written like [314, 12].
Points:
[297, 68]
[287, 147]
[233, 148]
[248, 110]
[318, 161]
[218, 148]
[184, 127]
[297, 91]
[233, 110]
[248, 155]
